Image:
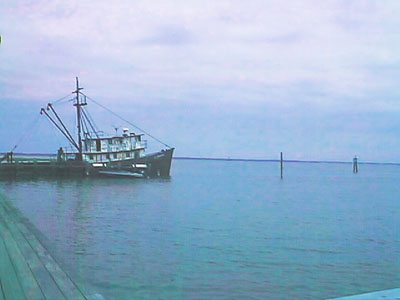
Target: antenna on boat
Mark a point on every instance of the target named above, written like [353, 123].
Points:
[84, 120]
[116, 127]
[78, 105]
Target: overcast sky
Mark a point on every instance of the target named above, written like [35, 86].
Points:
[317, 79]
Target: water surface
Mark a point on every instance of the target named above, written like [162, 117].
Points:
[224, 230]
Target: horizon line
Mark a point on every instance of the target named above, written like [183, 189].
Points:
[285, 160]
[246, 159]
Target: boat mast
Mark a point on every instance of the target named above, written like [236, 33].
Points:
[78, 105]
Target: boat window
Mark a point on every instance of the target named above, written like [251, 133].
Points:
[128, 154]
[110, 141]
[98, 145]
[91, 156]
[107, 156]
[115, 155]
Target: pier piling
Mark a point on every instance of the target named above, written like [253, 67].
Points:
[355, 165]
[281, 165]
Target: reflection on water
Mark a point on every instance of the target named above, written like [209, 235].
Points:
[224, 229]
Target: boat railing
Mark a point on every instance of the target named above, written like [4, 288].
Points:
[68, 149]
[143, 144]
[30, 161]
[69, 155]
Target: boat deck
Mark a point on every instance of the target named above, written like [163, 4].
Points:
[27, 270]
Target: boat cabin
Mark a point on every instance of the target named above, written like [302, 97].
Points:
[117, 148]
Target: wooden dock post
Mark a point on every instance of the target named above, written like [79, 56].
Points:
[355, 165]
[281, 165]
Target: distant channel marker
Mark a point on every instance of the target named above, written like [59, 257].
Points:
[355, 165]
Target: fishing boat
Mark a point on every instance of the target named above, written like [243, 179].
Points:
[91, 153]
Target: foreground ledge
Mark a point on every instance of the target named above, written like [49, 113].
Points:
[393, 294]
[27, 269]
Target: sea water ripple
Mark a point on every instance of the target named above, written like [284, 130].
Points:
[224, 230]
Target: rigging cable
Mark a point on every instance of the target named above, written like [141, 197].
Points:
[91, 120]
[85, 127]
[85, 114]
[59, 100]
[32, 125]
[118, 116]
[72, 146]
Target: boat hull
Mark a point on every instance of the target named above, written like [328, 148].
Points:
[152, 165]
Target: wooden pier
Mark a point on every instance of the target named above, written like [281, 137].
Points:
[27, 269]
[43, 168]
[393, 294]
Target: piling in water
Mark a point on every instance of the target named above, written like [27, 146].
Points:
[281, 165]
[355, 165]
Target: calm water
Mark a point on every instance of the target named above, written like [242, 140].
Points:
[224, 230]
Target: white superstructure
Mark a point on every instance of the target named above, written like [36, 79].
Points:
[117, 148]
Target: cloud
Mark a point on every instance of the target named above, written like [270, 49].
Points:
[328, 56]
[168, 35]
[265, 42]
